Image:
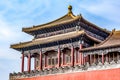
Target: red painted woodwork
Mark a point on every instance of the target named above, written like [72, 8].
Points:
[81, 59]
[110, 74]
[40, 60]
[90, 58]
[84, 60]
[80, 46]
[72, 55]
[87, 59]
[29, 62]
[77, 59]
[94, 58]
[22, 64]
[59, 53]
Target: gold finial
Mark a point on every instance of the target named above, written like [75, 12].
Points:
[69, 9]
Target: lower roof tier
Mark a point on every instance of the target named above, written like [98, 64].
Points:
[62, 37]
[113, 40]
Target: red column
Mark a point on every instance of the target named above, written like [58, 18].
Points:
[90, 59]
[84, 59]
[72, 55]
[80, 54]
[29, 62]
[94, 58]
[22, 64]
[40, 60]
[76, 56]
[80, 58]
[102, 58]
[35, 63]
[59, 59]
[87, 58]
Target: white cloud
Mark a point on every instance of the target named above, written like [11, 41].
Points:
[105, 8]
[22, 9]
[5, 31]
[10, 35]
[9, 54]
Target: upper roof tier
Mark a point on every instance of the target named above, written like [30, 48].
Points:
[112, 41]
[64, 19]
[67, 18]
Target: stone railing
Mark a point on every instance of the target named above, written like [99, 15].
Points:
[66, 69]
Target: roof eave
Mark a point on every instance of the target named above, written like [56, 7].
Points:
[95, 25]
[31, 29]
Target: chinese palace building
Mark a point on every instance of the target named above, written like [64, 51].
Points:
[69, 48]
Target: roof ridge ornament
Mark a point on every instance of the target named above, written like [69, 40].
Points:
[69, 9]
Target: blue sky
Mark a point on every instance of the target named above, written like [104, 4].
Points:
[15, 14]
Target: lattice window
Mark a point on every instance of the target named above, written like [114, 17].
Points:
[53, 62]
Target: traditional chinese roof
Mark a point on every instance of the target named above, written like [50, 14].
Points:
[69, 17]
[52, 39]
[82, 19]
[112, 41]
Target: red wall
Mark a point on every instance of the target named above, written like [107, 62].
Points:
[110, 74]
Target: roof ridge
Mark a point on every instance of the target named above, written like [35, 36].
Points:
[94, 24]
[105, 39]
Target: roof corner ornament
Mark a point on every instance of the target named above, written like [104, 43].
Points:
[69, 9]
